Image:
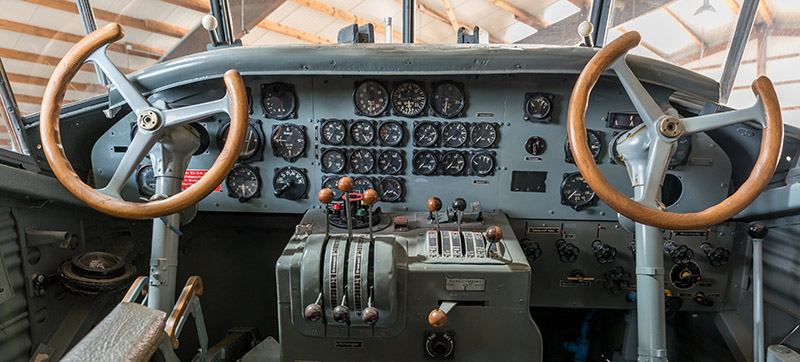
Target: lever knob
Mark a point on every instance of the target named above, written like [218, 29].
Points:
[346, 184]
[757, 230]
[325, 196]
[434, 204]
[494, 234]
[313, 312]
[341, 313]
[370, 197]
[459, 204]
[370, 315]
[437, 318]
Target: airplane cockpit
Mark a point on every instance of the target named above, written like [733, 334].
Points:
[408, 180]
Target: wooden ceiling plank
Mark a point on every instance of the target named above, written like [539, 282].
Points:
[292, 32]
[766, 13]
[44, 59]
[451, 16]
[520, 14]
[692, 34]
[346, 16]
[442, 17]
[24, 98]
[40, 81]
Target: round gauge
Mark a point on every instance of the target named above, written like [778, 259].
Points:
[391, 133]
[447, 99]
[685, 275]
[362, 161]
[146, 180]
[595, 145]
[681, 155]
[408, 99]
[575, 192]
[390, 162]
[288, 141]
[332, 161]
[483, 135]
[426, 163]
[371, 98]
[538, 107]
[278, 101]
[332, 183]
[361, 184]
[482, 163]
[425, 134]
[454, 134]
[290, 183]
[390, 189]
[362, 133]
[453, 163]
[243, 183]
[252, 141]
[333, 132]
[535, 145]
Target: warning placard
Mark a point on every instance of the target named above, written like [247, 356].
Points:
[192, 176]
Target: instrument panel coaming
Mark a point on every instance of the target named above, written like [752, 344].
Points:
[496, 99]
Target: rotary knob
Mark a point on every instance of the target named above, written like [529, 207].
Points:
[535, 145]
[567, 252]
[716, 256]
[604, 253]
[531, 249]
[680, 254]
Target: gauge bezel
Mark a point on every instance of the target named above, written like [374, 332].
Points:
[278, 170]
[474, 172]
[401, 142]
[494, 141]
[253, 169]
[401, 181]
[340, 151]
[402, 154]
[434, 171]
[350, 163]
[385, 107]
[466, 131]
[417, 125]
[292, 113]
[568, 153]
[140, 187]
[547, 117]
[399, 113]
[464, 155]
[252, 124]
[353, 124]
[565, 201]
[302, 130]
[461, 110]
[355, 181]
[326, 141]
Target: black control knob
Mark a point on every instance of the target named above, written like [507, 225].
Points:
[567, 252]
[672, 305]
[716, 256]
[757, 230]
[341, 313]
[283, 188]
[370, 315]
[632, 248]
[313, 312]
[702, 299]
[459, 204]
[535, 145]
[604, 253]
[680, 254]
[531, 249]
[616, 279]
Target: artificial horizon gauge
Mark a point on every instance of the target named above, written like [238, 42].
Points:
[426, 134]
[447, 99]
[362, 132]
[538, 107]
[454, 134]
[453, 163]
[332, 161]
[290, 183]
[243, 183]
[483, 135]
[482, 164]
[390, 189]
[595, 145]
[253, 140]
[575, 192]
[362, 161]
[425, 163]
[278, 100]
[409, 99]
[391, 162]
[333, 132]
[288, 141]
[371, 98]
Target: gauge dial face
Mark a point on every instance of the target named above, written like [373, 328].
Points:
[290, 183]
[391, 189]
[362, 161]
[408, 99]
[362, 133]
[333, 132]
[592, 139]
[682, 151]
[146, 180]
[482, 163]
[575, 192]
[453, 163]
[252, 141]
[426, 163]
[538, 107]
[361, 184]
[426, 134]
[391, 133]
[685, 275]
[332, 183]
[333, 161]
[371, 98]
[390, 162]
[483, 135]
[447, 99]
[243, 183]
[278, 101]
[454, 134]
[288, 141]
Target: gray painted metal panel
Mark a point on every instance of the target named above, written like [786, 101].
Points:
[14, 323]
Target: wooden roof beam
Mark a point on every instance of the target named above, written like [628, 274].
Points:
[694, 36]
[766, 13]
[292, 32]
[346, 16]
[150, 25]
[451, 16]
[44, 59]
[442, 17]
[520, 14]
[24, 98]
[40, 81]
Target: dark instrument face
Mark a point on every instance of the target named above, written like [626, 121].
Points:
[332, 183]
[243, 183]
[278, 100]
[390, 162]
[390, 189]
[252, 142]
[362, 133]
[290, 183]
[484, 135]
[288, 141]
[333, 132]
[592, 139]
[453, 163]
[482, 163]
[391, 133]
[333, 161]
[361, 184]
[408, 99]
[454, 134]
[447, 99]
[426, 162]
[426, 134]
[575, 192]
[362, 161]
[146, 180]
[371, 98]
[538, 107]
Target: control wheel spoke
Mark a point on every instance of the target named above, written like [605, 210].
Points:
[183, 115]
[644, 103]
[135, 99]
[657, 162]
[139, 147]
[717, 120]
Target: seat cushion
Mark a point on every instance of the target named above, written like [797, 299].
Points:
[131, 332]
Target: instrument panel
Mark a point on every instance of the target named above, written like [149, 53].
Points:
[498, 141]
